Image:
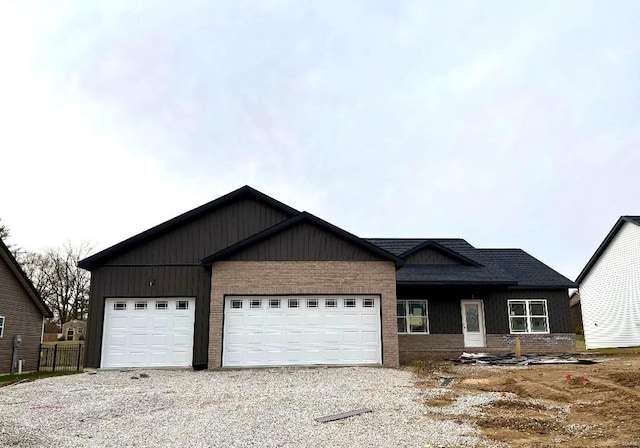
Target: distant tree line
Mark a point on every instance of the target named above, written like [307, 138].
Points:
[55, 273]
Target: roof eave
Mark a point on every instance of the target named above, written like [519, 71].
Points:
[454, 283]
[559, 286]
[24, 280]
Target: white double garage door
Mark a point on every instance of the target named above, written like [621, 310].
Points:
[258, 331]
[301, 330]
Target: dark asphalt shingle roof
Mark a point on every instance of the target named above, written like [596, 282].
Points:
[528, 270]
[451, 274]
[498, 266]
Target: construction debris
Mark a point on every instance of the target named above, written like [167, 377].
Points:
[331, 418]
[510, 359]
[445, 381]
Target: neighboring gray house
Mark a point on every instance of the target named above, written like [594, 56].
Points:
[610, 288]
[248, 281]
[22, 313]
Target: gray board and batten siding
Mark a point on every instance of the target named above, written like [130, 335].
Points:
[445, 315]
[168, 265]
[430, 255]
[304, 241]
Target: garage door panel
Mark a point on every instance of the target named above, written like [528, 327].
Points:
[301, 335]
[370, 337]
[182, 340]
[138, 339]
[370, 319]
[253, 320]
[139, 322]
[161, 322]
[146, 337]
[313, 337]
[350, 337]
[160, 339]
[183, 321]
[295, 337]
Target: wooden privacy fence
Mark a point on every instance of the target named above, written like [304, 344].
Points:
[57, 358]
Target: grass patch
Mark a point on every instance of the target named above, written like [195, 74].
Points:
[621, 351]
[6, 380]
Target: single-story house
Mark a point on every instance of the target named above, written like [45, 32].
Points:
[22, 314]
[246, 280]
[610, 288]
[74, 330]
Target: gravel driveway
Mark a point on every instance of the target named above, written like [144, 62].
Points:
[241, 408]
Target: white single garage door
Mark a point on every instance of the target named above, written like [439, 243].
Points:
[301, 330]
[150, 332]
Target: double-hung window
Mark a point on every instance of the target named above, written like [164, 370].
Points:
[528, 316]
[412, 316]
[1, 326]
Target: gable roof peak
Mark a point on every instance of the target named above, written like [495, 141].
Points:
[633, 219]
[245, 191]
[440, 248]
[303, 216]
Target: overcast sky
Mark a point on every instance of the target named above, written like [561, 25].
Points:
[509, 124]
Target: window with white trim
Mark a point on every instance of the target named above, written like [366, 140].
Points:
[274, 303]
[236, 304]
[182, 305]
[294, 303]
[312, 303]
[368, 303]
[120, 306]
[162, 305]
[2, 326]
[413, 316]
[330, 303]
[140, 305]
[255, 303]
[349, 303]
[528, 316]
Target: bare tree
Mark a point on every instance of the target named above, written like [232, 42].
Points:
[61, 283]
[5, 233]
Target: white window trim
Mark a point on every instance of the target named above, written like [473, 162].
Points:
[407, 315]
[162, 305]
[528, 316]
[4, 324]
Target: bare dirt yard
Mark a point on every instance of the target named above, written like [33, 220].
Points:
[543, 405]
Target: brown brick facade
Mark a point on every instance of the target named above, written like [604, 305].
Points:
[532, 343]
[413, 347]
[304, 277]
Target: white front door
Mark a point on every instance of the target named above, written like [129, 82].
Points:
[301, 330]
[473, 323]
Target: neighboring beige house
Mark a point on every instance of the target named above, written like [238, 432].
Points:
[74, 330]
